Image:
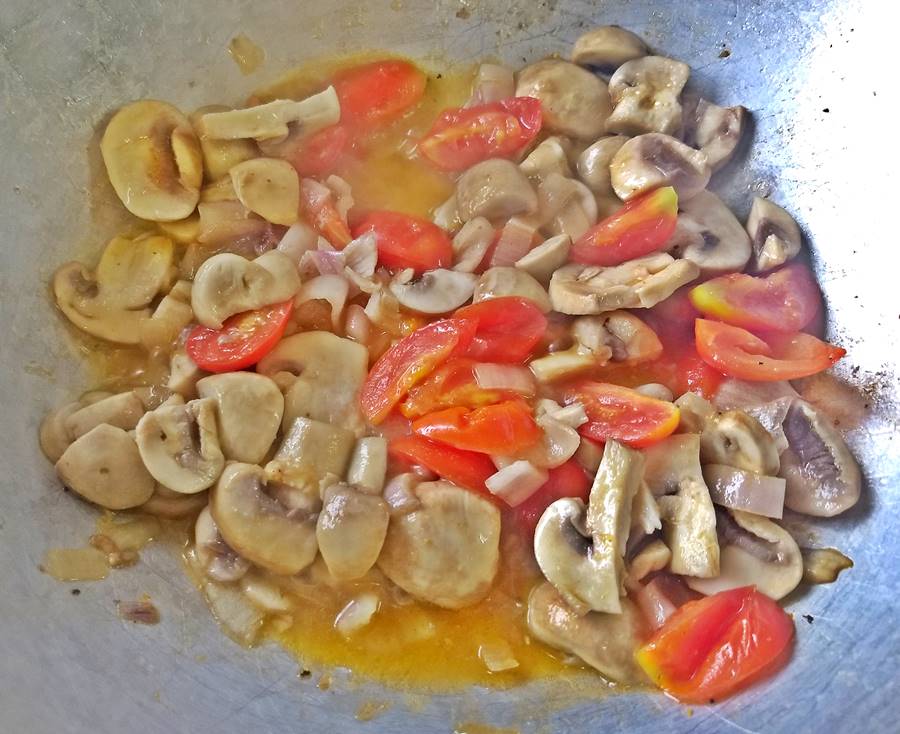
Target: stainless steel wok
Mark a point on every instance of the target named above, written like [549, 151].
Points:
[817, 75]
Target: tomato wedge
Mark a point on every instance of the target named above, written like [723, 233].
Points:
[509, 328]
[738, 353]
[787, 300]
[243, 340]
[317, 206]
[642, 226]
[622, 414]
[409, 361]
[320, 153]
[506, 428]
[715, 646]
[451, 385]
[405, 241]
[566, 480]
[465, 469]
[464, 136]
[378, 92]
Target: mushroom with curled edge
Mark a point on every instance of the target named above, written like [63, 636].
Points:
[350, 530]
[509, 281]
[708, 234]
[714, 130]
[654, 160]
[122, 411]
[321, 375]
[220, 156]
[755, 551]
[228, 284]
[645, 95]
[435, 291]
[736, 439]
[641, 283]
[446, 550]
[310, 451]
[775, 235]
[545, 259]
[269, 187]
[495, 189]
[581, 550]
[259, 527]
[606, 642]
[179, 445]
[823, 479]
[249, 409]
[153, 160]
[607, 47]
[574, 102]
[218, 560]
[593, 164]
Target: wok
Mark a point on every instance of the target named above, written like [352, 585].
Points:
[815, 74]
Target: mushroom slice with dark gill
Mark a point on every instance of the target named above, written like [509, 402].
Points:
[714, 130]
[350, 530]
[775, 235]
[645, 94]
[736, 439]
[653, 160]
[218, 560]
[708, 234]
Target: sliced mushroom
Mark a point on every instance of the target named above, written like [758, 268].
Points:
[218, 560]
[694, 411]
[53, 435]
[259, 527]
[565, 206]
[270, 121]
[545, 259]
[593, 164]
[447, 550]
[447, 216]
[494, 189]
[311, 450]
[122, 411]
[656, 390]
[220, 156]
[645, 517]
[668, 462]
[493, 83]
[173, 505]
[574, 102]
[228, 284]
[581, 550]
[350, 531]
[435, 291]
[153, 160]
[368, 465]
[645, 95]
[183, 231]
[629, 339]
[708, 234]
[269, 187]
[249, 408]
[183, 375]
[180, 445]
[823, 479]
[689, 527]
[654, 556]
[714, 130]
[755, 551]
[559, 441]
[823, 565]
[607, 47]
[105, 468]
[775, 235]
[736, 439]
[641, 283]
[329, 373]
[508, 281]
[549, 157]
[653, 160]
[169, 319]
[606, 642]
[471, 244]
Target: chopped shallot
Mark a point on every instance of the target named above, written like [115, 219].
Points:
[331, 288]
[505, 377]
[298, 239]
[516, 482]
[745, 490]
[497, 656]
[356, 324]
[356, 614]
[516, 239]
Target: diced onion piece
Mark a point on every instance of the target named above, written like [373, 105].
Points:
[497, 656]
[505, 377]
[331, 288]
[745, 490]
[356, 614]
[655, 603]
[299, 239]
[361, 254]
[240, 619]
[327, 262]
[400, 495]
[572, 415]
[514, 243]
[492, 84]
[264, 594]
[517, 482]
[357, 324]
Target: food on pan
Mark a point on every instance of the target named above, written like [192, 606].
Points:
[496, 377]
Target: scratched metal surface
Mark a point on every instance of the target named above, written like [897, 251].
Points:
[821, 100]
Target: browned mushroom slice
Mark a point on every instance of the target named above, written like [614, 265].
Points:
[494, 189]
[775, 235]
[653, 160]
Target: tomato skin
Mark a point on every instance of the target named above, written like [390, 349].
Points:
[509, 328]
[320, 153]
[409, 361]
[786, 300]
[566, 480]
[243, 340]
[378, 92]
[622, 414]
[465, 469]
[405, 241]
[451, 385]
[505, 428]
[715, 646]
[736, 352]
[464, 136]
[642, 226]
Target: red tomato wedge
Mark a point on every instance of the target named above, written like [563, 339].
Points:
[409, 361]
[567, 480]
[509, 328]
[622, 414]
[642, 226]
[243, 340]
[464, 136]
[787, 300]
[378, 92]
[451, 385]
[465, 469]
[317, 206]
[738, 353]
[715, 646]
[320, 153]
[405, 241]
[506, 428]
